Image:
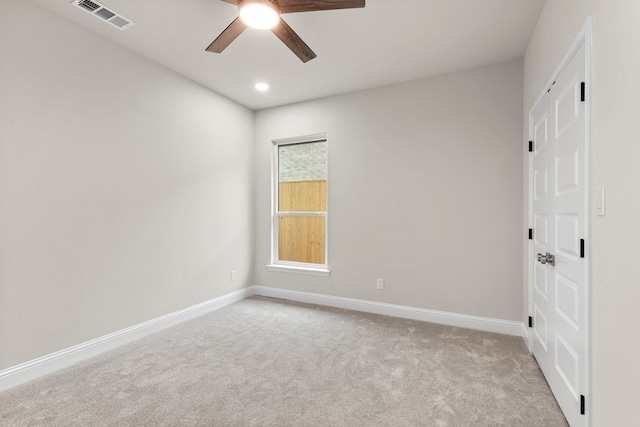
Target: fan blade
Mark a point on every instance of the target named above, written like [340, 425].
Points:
[232, 1]
[292, 6]
[293, 41]
[227, 36]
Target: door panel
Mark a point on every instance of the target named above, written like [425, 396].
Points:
[542, 280]
[541, 183]
[540, 332]
[541, 235]
[567, 300]
[558, 202]
[567, 240]
[567, 364]
[567, 170]
[567, 111]
[541, 130]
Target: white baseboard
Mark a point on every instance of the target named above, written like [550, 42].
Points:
[50, 363]
[452, 319]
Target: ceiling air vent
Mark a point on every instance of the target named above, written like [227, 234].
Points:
[104, 14]
[89, 5]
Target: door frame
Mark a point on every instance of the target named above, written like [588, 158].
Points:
[585, 37]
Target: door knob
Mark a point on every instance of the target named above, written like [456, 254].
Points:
[551, 259]
[547, 259]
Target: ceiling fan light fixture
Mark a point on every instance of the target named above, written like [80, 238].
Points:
[265, 14]
[260, 14]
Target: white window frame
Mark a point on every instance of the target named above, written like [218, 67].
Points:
[290, 266]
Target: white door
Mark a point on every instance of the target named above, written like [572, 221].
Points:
[558, 200]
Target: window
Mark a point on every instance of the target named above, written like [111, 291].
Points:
[300, 205]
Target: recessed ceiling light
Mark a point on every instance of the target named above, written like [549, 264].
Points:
[262, 87]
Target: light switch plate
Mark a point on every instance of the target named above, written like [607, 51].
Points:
[601, 201]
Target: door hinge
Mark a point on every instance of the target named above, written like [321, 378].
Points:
[581, 248]
[582, 405]
[531, 146]
[531, 234]
[583, 90]
[530, 322]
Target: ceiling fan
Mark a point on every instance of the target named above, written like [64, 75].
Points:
[265, 14]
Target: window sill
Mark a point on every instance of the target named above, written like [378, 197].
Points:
[300, 270]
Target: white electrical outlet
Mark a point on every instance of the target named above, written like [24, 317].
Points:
[233, 275]
[380, 283]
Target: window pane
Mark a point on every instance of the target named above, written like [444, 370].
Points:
[303, 196]
[301, 239]
[302, 177]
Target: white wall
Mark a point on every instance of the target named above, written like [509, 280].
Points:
[425, 191]
[125, 190]
[616, 153]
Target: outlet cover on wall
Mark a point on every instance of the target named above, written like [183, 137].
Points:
[233, 275]
[380, 283]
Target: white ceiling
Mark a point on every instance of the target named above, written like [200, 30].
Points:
[388, 41]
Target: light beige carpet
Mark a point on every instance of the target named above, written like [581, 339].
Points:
[267, 362]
